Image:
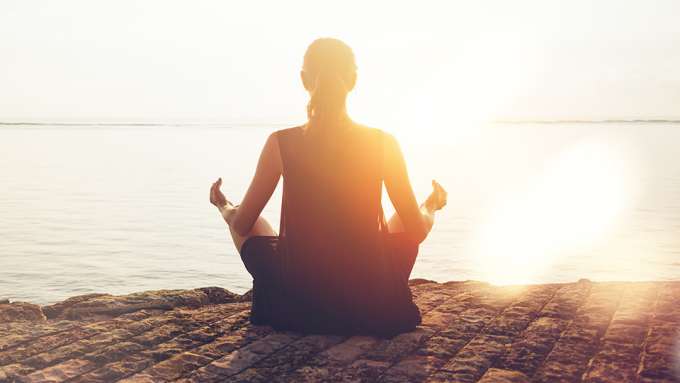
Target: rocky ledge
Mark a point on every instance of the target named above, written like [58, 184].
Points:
[471, 332]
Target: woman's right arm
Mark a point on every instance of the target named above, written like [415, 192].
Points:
[417, 220]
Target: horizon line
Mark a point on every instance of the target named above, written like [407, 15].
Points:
[216, 124]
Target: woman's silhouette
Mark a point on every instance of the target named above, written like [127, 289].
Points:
[336, 266]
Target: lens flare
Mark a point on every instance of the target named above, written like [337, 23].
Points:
[573, 203]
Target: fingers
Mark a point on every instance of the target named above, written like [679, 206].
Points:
[439, 187]
[216, 196]
[436, 185]
[441, 194]
[213, 189]
[212, 192]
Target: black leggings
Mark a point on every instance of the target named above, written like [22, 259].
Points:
[259, 254]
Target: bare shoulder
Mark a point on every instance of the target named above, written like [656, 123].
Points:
[388, 138]
[389, 141]
[366, 128]
[287, 131]
[275, 137]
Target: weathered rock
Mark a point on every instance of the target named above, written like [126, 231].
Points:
[495, 375]
[20, 311]
[471, 332]
[102, 306]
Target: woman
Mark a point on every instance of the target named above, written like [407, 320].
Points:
[336, 266]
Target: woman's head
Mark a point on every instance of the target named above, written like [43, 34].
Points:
[328, 74]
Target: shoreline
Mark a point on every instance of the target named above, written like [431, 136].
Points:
[471, 332]
[7, 299]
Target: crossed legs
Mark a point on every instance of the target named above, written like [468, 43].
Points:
[260, 228]
[264, 228]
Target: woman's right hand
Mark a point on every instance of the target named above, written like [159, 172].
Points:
[216, 197]
[437, 199]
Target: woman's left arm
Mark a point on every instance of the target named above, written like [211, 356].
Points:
[269, 169]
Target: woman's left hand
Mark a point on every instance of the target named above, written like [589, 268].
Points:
[216, 197]
[437, 199]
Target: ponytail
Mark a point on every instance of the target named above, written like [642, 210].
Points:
[330, 63]
[328, 97]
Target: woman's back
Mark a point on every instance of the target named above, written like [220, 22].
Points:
[332, 186]
[335, 261]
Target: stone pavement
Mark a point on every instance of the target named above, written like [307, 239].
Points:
[471, 332]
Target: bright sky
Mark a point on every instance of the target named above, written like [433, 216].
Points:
[238, 61]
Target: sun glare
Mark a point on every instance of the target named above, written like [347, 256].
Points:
[463, 91]
[571, 206]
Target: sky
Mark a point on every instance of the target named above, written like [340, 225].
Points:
[432, 61]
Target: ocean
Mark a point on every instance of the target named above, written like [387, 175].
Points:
[124, 208]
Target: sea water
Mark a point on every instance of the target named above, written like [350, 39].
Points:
[124, 208]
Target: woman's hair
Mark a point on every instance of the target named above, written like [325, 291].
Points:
[330, 63]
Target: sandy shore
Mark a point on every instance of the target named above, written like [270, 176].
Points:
[471, 332]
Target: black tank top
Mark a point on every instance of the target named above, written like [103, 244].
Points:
[336, 275]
